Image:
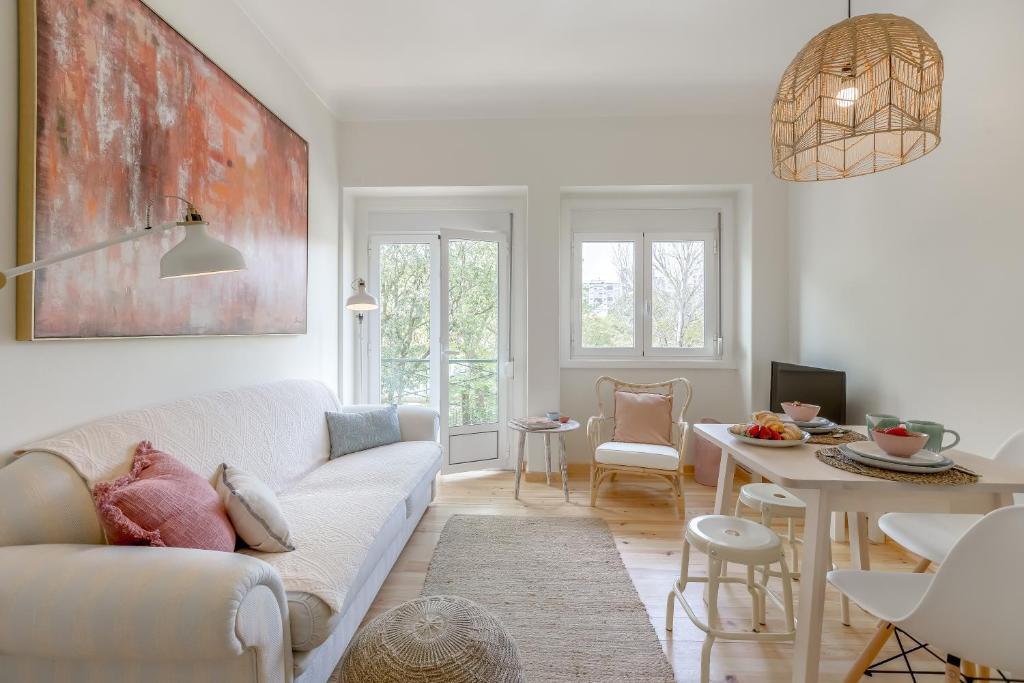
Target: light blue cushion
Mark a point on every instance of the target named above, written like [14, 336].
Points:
[358, 431]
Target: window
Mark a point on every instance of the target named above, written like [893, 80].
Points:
[645, 284]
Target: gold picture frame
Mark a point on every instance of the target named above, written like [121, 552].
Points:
[270, 299]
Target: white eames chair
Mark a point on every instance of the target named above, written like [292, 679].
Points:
[931, 535]
[969, 609]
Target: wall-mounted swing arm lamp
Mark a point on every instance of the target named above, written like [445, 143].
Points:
[197, 254]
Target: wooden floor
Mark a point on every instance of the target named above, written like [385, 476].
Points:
[647, 533]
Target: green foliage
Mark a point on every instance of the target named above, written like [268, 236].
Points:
[473, 328]
[677, 299]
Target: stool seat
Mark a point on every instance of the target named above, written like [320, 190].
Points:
[734, 539]
[782, 502]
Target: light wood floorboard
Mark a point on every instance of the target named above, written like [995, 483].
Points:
[648, 535]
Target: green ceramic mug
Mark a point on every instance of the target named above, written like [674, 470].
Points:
[936, 433]
[879, 421]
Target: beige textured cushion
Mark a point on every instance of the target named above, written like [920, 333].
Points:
[254, 511]
[643, 418]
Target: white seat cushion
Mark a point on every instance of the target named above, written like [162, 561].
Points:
[890, 596]
[930, 535]
[337, 511]
[638, 455]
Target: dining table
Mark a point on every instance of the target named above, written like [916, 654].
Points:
[826, 489]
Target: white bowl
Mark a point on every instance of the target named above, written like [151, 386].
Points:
[801, 412]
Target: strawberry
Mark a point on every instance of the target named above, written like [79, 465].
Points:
[899, 430]
[753, 430]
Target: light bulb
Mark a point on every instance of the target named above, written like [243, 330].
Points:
[847, 96]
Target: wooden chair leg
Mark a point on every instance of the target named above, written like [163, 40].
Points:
[677, 492]
[952, 669]
[593, 485]
[867, 656]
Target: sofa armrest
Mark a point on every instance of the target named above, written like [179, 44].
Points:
[134, 603]
[418, 423]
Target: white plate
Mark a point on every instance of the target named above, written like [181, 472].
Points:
[816, 422]
[883, 465]
[824, 429]
[870, 449]
[771, 443]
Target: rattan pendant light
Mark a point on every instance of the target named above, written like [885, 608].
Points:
[862, 96]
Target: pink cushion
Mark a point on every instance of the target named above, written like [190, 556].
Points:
[162, 503]
[643, 418]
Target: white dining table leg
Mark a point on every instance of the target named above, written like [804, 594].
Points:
[860, 549]
[811, 609]
[547, 458]
[563, 465]
[839, 527]
[726, 473]
[520, 456]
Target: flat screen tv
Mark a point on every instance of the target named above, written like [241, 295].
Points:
[826, 388]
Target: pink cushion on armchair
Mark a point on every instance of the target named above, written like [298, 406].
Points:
[161, 502]
[643, 418]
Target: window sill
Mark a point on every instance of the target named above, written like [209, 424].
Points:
[656, 363]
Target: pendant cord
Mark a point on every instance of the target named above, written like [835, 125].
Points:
[849, 9]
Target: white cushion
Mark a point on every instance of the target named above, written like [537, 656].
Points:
[253, 510]
[337, 511]
[638, 455]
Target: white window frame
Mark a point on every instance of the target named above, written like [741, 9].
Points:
[718, 351]
[710, 349]
[636, 351]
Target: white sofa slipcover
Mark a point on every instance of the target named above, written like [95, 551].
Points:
[74, 608]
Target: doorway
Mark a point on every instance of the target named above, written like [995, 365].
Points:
[441, 335]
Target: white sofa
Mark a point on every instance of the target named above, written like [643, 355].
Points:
[72, 608]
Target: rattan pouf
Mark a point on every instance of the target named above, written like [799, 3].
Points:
[442, 639]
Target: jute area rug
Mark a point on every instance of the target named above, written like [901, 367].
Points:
[559, 586]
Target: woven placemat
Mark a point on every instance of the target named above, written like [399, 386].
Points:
[835, 458]
[830, 440]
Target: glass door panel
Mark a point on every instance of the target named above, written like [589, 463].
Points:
[440, 337]
[473, 332]
[403, 347]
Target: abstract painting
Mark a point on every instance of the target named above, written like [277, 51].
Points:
[118, 109]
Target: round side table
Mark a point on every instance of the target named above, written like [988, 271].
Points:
[560, 431]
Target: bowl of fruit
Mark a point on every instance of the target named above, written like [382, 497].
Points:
[768, 429]
[801, 412]
[899, 441]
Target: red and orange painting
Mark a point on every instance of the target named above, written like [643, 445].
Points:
[127, 111]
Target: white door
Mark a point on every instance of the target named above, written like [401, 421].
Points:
[440, 337]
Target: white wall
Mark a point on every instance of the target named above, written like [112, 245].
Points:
[911, 279]
[548, 155]
[50, 385]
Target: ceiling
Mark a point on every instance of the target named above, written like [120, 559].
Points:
[452, 59]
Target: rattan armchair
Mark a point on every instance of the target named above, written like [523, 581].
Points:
[643, 459]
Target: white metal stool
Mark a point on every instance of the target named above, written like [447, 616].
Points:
[774, 502]
[732, 539]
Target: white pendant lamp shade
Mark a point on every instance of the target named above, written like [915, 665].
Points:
[862, 96]
[200, 254]
[361, 300]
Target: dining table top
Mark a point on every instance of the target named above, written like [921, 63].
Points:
[798, 467]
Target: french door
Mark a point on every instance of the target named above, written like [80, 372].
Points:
[440, 337]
